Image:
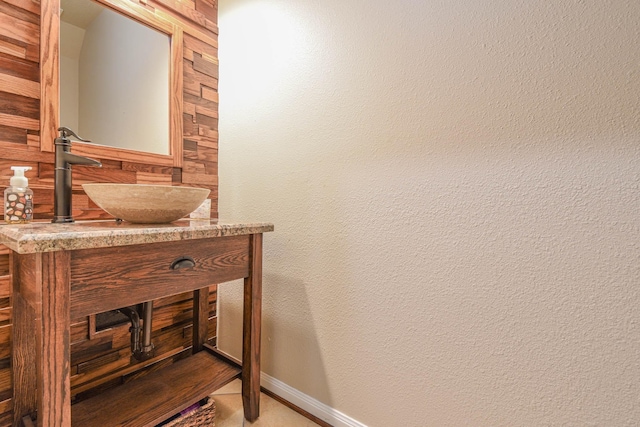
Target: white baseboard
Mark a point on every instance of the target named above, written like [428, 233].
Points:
[316, 408]
[309, 404]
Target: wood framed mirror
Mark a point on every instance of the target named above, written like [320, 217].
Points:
[50, 87]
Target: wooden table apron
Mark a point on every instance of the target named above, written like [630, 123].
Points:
[45, 297]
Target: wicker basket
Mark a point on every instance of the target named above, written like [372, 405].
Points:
[204, 416]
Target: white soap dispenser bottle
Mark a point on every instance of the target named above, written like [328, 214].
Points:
[18, 197]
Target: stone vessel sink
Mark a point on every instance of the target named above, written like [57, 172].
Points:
[146, 204]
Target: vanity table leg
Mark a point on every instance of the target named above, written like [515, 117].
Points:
[41, 284]
[26, 313]
[252, 315]
[200, 318]
[54, 377]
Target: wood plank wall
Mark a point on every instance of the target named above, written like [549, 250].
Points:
[102, 359]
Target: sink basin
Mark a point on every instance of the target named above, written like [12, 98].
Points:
[146, 204]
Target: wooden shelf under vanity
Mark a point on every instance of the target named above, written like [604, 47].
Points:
[147, 401]
[64, 271]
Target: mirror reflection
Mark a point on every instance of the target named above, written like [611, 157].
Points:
[114, 78]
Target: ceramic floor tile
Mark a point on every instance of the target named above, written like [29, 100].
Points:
[233, 387]
[229, 412]
[275, 414]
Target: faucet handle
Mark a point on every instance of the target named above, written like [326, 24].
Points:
[65, 133]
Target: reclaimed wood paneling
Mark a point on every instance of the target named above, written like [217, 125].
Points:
[6, 409]
[200, 165]
[15, 66]
[5, 342]
[101, 360]
[26, 93]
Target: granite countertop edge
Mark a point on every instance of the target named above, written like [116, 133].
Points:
[47, 237]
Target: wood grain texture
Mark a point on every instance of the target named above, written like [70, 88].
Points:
[29, 5]
[18, 121]
[5, 381]
[207, 7]
[5, 316]
[99, 345]
[208, 33]
[198, 18]
[176, 105]
[132, 272]
[5, 341]
[53, 381]
[5, 262]
[12, 151]
[179, 312]
[166, 392]
[200, 166]
[18, 12]
[19, 86]
[18, 28]
[13, 135]
[12, 104]
[79, 330]
[251, 331]
[20, 68]
[7, 47]
[83, 174]
[49, 72]
[26, 346]
[205, 65]
[120, 154]
[6, 419]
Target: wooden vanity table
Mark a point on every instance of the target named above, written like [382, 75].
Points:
[64, 271]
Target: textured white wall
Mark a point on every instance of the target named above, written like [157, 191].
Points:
[456, 193]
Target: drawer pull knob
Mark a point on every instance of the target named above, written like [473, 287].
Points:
[183, 262]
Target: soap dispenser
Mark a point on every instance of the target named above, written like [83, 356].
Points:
[18, 197]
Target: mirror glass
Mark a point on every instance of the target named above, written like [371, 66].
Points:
[114, 78]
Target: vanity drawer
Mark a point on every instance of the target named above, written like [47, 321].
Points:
[109, 278]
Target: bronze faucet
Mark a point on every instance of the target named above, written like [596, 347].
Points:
[62, 178]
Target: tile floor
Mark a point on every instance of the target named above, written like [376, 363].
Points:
[272, 413]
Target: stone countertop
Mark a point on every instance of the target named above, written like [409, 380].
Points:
[47, 237]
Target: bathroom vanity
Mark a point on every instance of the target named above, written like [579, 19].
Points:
[65, 271]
